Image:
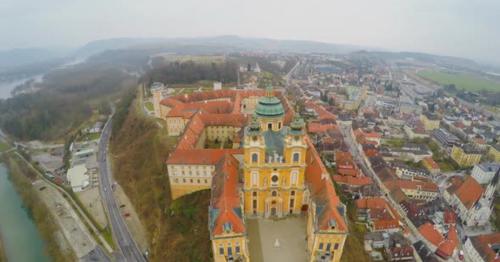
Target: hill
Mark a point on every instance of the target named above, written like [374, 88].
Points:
[177, 230]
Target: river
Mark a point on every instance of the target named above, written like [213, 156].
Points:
[21, 239]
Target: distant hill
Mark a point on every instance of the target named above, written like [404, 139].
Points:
[20, 57]
[218, 43]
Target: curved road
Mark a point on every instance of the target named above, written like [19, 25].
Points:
[127, 249]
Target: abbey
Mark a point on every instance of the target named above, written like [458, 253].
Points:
[272, 171]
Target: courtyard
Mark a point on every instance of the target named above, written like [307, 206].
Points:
[277, 240]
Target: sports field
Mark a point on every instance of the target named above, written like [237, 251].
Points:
[461, 80]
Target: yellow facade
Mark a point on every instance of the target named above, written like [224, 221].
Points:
[464, 159]
[494, 153]
[273, 183]
[429, 124]
[234, 245]
[323, 244]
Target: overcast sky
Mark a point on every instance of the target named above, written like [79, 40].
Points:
[450, 27]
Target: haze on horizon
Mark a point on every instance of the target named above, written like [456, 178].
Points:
[449, 27]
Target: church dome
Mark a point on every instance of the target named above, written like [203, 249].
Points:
[269, 106]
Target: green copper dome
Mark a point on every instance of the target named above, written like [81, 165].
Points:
[269, 106]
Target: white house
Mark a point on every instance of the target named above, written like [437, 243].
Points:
[483, 173]
[483, 248]
[472, 201]
[78, 177]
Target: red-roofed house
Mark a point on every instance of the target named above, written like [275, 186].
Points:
[380, 214]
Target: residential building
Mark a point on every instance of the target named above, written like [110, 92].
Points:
[378, 213]
[415, 189]
[429, 121]
[78, 178]
[483, 248]
[483, 173]
[406, 172]
[494, 152]
[431, 165]
[445, 138]
[471, 201]
[466, 155]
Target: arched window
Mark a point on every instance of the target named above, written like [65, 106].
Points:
[296, 157]
[255, 157]
[269, 126]
[292, 193]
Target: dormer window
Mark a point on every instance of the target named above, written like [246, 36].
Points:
[332, 223]
[227, 227]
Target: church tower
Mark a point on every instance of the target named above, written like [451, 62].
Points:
[274, 161]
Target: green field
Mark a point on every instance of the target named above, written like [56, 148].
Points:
[3, 146]
[149, 106]
[461, 80]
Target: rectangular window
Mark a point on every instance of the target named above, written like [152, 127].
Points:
[255, 179]
[229, 251]
[328, 247]
[221, 250]
[336, 246]
[237, 249]
[254, 204]
[292, 203]
[320, 246]
[294, 178]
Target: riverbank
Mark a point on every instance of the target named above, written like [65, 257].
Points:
[22, 178]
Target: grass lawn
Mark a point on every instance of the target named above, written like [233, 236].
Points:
[496, 214]
[3, 146]
[149, 106]
[394, 142]
[461, 80]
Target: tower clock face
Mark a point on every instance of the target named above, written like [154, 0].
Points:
[274, 179]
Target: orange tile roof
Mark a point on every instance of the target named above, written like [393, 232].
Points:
[483, 244]
[353, 181]
[200, 156]
[447, 247]
[431, 234]
[323, 114]
[414, 184]
[225, 206]
[383, 215]
[345, 164]
[322, 192]
[430, 162]
[469, 192]
[316, 127]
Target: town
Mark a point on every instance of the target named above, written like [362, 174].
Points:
[273, 156]
[417, 168]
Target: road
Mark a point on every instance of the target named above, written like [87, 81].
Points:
[98, 254]
[361, 161]
[127, 249]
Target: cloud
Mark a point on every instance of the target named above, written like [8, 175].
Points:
[449, 27]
